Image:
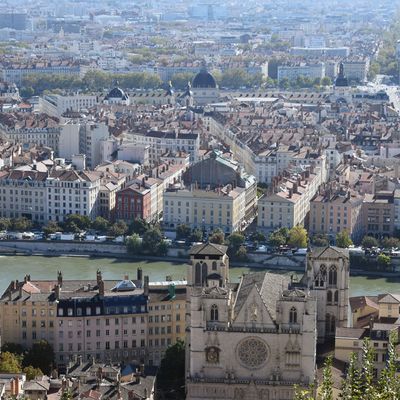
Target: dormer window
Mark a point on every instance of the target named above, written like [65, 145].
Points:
[214, 313]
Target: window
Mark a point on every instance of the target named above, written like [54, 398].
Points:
[336, 297]
[214, 265]
[214, 313]
[332, 278]
[329, 297]
[293, 316]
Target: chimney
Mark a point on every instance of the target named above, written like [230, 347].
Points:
[59, 278]
[290, 193]
[140, 274]
[16, 387]
[146, 285]
[101, 288]
[57, 290]
[98, 276]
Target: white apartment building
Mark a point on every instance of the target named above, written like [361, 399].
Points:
[48, 195]
[292, 72]
[356, 69]
[69, 140]
[90, 137]
[56, 105]
[160, 142]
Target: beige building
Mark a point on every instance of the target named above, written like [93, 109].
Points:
[377, 328]
[378, 214]
[166, 320]
[287, 203]
[335, 210]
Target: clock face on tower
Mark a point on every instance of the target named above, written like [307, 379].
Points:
[252, 352]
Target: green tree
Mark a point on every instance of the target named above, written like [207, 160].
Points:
[139, 226]
[277, 239]
[217, 237]
[21, 224]
[151, 240]
[10, 363]
[134, 244]
[369, 241]
[32, 373]
[302, 394]
[100, 224]
[320, 240]
[5, 224]
[51, 227]
[162, 248]
[367, 371]
[388, 382]
[241, 254]
[235, 240]
[75, 222]
[258, 236]
[40, 355]
[326, 81]
[196, 235]
[118, 228]
[298, 237]
[14, 348]
[326, 388]
[180, 80]
[183, 231]
[343, 240]
[171, 381]
[351, 385]
[383, 261]
[390, 242]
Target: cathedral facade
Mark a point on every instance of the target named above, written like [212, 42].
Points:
[256, 339]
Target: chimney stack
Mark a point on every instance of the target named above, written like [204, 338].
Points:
[98, 276]
[146, 285]
[57, 290]
[59, 278]
[101, 288]
[140, 274]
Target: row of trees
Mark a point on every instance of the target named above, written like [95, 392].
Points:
[301, 82]
[36, 361]
[359, 382]
[15, 224]
[295, 237]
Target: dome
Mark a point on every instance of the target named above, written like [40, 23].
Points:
[204, 80]
[116, 93]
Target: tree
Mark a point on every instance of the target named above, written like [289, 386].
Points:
[10, 363]
[302, 394]
[258, 236]
[134, 244]
[368, 242]
[326, 81]
[196, 236]
[162, 248]
[217, 237]
[183, 231]
[76, 223]
[180, 80]
[367, 371]
[119, 228]
[351, 385]
[388, 383]
[390, 242]
[320, 240]
[14, 348]
[171, 381]
[151, 239]
[40, 355]
[139, 226]
[383, 261]
[5, 224]
[235, 240]
[21, 224]
[32, 373]
[241, 254]
[326, 389]
[100, 224]
[343, 240]
[298, 237]
[277, 239]
[51, 227]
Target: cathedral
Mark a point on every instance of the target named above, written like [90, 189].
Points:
[256, 339]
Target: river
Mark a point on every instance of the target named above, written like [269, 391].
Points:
[15, 267]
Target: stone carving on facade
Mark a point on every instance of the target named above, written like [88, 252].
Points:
[252, 352]
[212, 355]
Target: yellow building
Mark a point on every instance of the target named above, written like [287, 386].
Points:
[166, 318]
[27, 314]
[363, 308]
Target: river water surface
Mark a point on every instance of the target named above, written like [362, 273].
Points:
[15, 267]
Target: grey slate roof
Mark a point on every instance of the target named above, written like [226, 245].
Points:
[208, 249]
